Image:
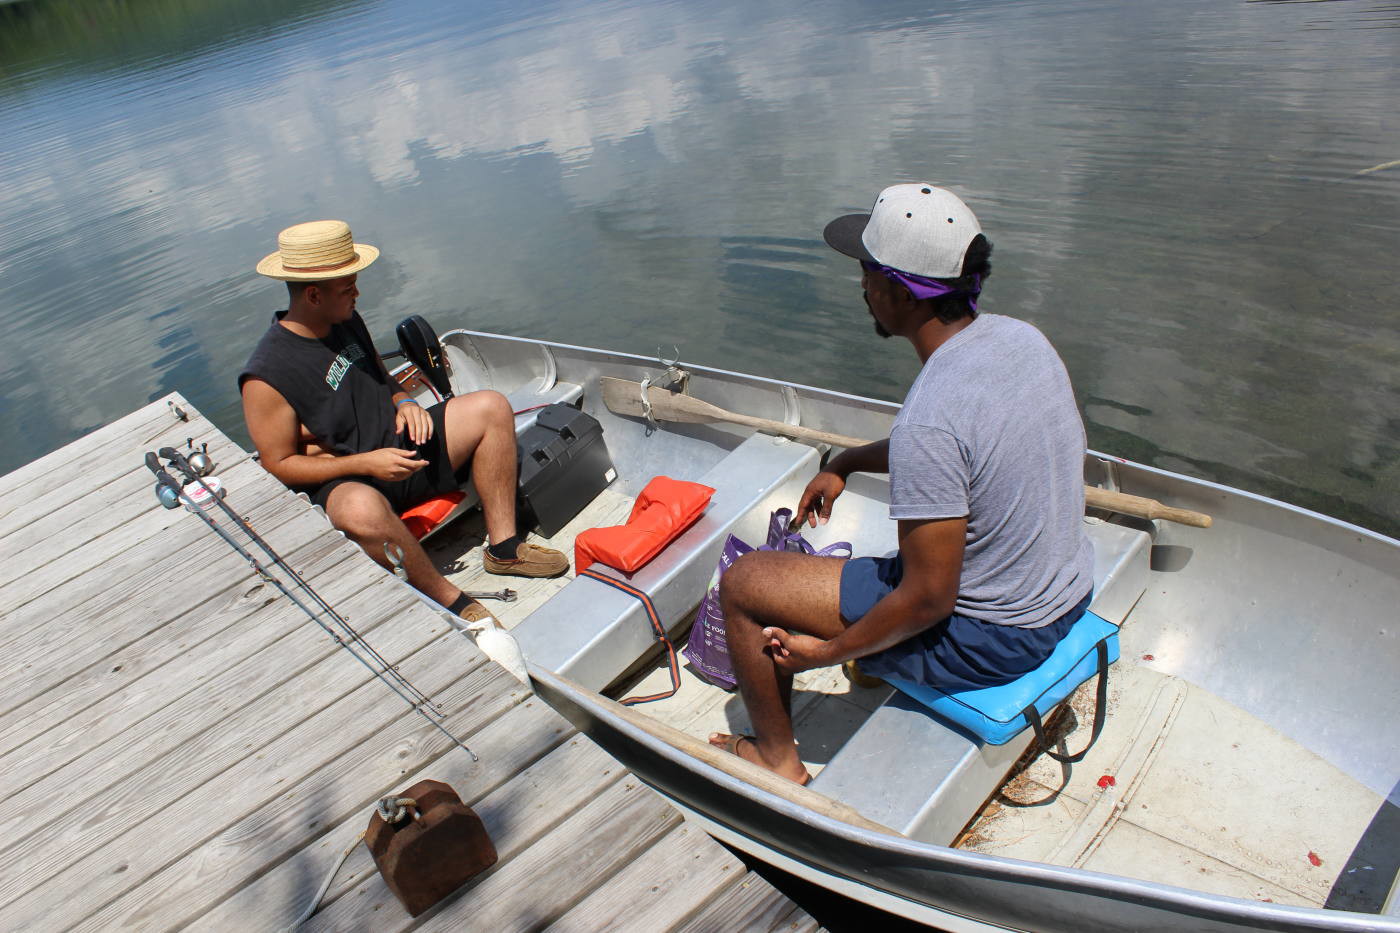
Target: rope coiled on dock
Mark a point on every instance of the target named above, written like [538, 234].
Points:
[391, 810]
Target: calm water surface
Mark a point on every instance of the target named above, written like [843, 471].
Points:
[1180, 195]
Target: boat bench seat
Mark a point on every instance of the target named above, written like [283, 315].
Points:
[592, 633]
[909, 771]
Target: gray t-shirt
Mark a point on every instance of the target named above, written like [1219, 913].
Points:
[990, 430]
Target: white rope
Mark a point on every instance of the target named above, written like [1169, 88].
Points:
[393, 809]
[646, 407]
[390, 810]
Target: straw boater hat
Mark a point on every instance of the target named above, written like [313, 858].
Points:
[316, 251]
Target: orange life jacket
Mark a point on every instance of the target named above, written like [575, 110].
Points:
[665, 508]
[425, 516]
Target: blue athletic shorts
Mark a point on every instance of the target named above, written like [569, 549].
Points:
[958, 653]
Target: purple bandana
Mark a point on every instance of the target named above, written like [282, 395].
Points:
[922, 287]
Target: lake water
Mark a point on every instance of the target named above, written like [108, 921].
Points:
[1180, 194]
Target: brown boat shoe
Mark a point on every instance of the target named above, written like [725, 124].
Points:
[531, 560]
[474, 611]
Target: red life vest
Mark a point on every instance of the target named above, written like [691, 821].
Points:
[425, 516]
[664, 509]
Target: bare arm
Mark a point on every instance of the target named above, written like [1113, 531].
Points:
[278, 436]
[821, 492]
[872, 458]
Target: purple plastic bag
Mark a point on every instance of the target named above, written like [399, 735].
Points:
[780, 539]
[706, 649]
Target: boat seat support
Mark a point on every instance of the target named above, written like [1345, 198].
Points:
[945, 774]
[592, 634]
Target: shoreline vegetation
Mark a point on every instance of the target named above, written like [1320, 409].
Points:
[102, 34]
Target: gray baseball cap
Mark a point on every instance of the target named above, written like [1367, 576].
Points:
[916, 228]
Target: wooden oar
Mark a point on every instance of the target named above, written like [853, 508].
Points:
[1142, 507]
[624, 397]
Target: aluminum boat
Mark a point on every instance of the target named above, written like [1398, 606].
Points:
[1248, 773]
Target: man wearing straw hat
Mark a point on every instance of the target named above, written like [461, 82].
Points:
[327, 419]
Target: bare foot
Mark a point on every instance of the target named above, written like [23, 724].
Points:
[793, 769]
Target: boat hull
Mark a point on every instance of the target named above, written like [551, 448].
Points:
[939, 885]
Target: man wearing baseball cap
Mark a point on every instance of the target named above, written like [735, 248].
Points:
[986, 482]
[329, 420]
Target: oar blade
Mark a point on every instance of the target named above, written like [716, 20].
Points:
[624, 397]
[621, 396]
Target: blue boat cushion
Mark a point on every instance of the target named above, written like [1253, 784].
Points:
[998, 714]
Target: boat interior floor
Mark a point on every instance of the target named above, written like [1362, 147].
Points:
[458, 553]
[1181, 788]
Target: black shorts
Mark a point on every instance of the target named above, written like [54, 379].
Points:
[433, 480]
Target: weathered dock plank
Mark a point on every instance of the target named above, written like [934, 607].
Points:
[231, 623]
[185, 555]
[182, 747]
[752, 905]
[71, 498]
[113, 850]
[507, 746]
[562, 868]
[147, 529]
[678, 877]
[260, 690]
[560, 784]
[262, 696]
[332, 796]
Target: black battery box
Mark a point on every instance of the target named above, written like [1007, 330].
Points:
[564, 464]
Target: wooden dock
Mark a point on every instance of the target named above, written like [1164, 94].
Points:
[182, 747]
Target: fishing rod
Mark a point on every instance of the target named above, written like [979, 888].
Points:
[167, 485]
[192, 475]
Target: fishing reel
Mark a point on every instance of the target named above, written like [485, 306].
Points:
[200, 489]
[199, 460]
[169, 496]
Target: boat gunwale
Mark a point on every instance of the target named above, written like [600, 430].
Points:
[894, 407]
[1138, 892]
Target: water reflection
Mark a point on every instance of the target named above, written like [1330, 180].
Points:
[1173, 192]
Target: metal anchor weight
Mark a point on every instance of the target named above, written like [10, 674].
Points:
[439, 845]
